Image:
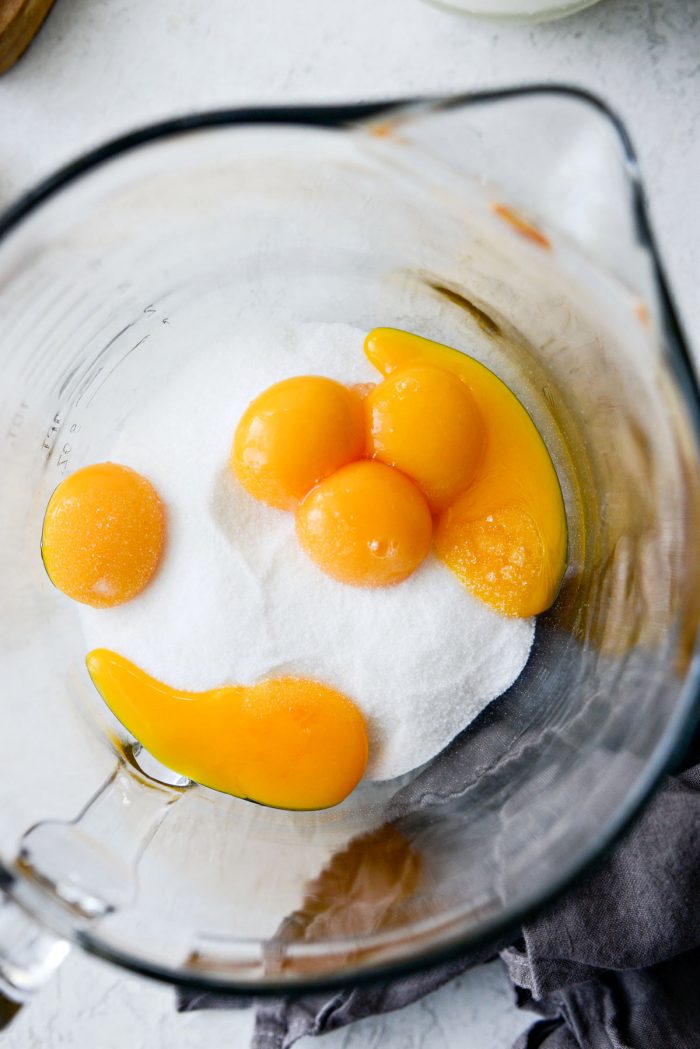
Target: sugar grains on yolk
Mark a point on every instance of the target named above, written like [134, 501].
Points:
[499, 552]
[363, 389]
[424, 421]
[288, 742]
[103, 534]
[367, 525]
[296, 433]
[505, 536]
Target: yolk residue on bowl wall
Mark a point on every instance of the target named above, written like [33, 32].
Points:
[505, 536]
[288, 742]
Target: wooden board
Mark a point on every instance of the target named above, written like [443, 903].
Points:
[20, 21]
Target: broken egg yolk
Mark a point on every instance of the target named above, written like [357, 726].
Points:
[295, 434]
[505, 536]
[424, 421]
[366, 525]
[287, 742]
[103, 534]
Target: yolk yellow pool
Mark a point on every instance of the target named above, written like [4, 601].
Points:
[505, 536]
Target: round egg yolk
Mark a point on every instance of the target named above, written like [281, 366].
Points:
[424, 421]
[288, 742]
[366, 525]
[293, 435]
[103, 534]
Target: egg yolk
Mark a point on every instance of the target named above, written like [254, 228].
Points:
[366, 525]
[293, 435]
[103, 534]
[287, 742]
[505, 536]
[424, 421]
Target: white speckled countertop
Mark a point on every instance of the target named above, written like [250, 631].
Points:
[100, 67]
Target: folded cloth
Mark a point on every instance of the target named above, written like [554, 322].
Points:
[280, 1022]
[615, 964]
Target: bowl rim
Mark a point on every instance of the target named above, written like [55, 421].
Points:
[685, 719]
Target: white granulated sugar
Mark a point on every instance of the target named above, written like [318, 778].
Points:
[236, 600]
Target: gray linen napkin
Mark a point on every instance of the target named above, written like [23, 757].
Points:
[616, 963]
[613, 965]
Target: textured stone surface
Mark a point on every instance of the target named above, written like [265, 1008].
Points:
[99, 67]
[91, 1005]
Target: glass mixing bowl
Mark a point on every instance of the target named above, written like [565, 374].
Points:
[509, 224]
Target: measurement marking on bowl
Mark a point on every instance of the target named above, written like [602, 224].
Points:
[46, 350]
[106, 375]
[50, 438]
[73, 365]
[93, 373]
[16, 421]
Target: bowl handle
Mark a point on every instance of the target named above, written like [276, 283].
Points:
[72, 873]
[88, 864]
[29, 955]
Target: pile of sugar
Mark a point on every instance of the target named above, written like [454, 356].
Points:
[236, 600]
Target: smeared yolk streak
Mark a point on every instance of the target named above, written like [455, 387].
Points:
[505, 536]
[521, 225]
[287, 742]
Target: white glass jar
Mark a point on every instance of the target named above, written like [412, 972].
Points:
[519, 10]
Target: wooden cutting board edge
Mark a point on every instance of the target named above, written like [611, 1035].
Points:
[20, 21]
